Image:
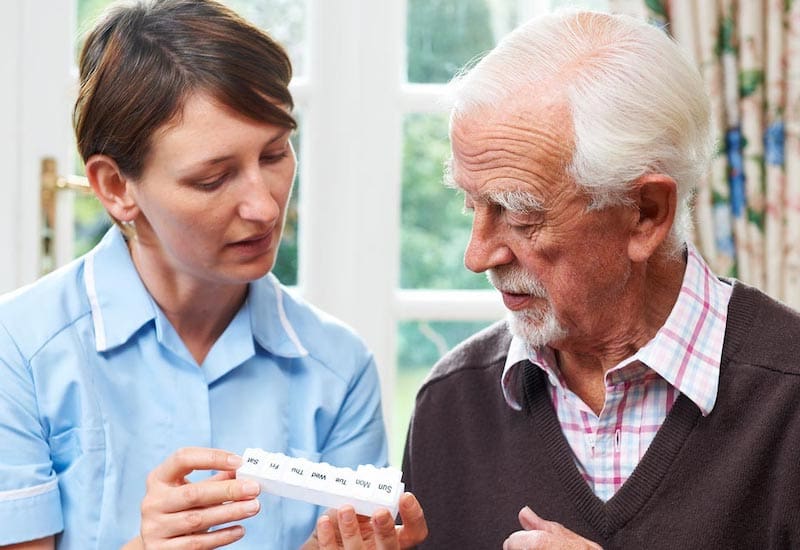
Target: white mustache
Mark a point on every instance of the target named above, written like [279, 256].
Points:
[514, 280]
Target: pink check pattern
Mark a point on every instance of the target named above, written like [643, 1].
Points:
[683, 357]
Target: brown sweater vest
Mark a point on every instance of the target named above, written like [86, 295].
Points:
[728, 480]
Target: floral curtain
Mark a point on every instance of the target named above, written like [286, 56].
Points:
[747, 211]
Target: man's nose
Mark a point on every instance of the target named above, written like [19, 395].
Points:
[487, 247]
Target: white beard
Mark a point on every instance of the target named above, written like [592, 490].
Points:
[536, 327]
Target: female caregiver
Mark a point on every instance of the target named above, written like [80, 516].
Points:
[131, 377]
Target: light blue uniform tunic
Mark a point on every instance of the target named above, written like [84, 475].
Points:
[97, 389]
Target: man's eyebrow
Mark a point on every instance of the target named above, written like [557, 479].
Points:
[515, 201]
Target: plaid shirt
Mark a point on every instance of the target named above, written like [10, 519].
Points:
[683, 357]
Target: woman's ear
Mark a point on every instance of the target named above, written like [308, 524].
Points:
[111, 187]
[655, 196]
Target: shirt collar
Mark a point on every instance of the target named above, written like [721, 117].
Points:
[121, 305]
[273, 318]
[119, 301]
[686, 351]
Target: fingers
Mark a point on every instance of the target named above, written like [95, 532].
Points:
[206, 493]
[184, 461]
[326, 534]
[540, 533]
[198, 520]
[221, 476]
[530, 520]
[386, 534]
[176, 513]
[527, 540]
[205, 541]
[349, 528]
[342, 529]
[414, 529]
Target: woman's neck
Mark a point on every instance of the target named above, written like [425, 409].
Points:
[198, 310]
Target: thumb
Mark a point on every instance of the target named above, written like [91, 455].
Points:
[530, 521]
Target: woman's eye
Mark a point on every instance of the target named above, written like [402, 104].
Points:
[210, 185]
[275, 157]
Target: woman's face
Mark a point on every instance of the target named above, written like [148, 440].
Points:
[212, 196]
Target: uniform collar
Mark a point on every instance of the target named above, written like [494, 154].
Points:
[273, 318]
[121, 305]
[119, 300]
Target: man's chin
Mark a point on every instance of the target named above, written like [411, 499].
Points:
[535, 330]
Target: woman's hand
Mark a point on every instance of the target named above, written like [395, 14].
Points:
[178, 514]
[342, 529]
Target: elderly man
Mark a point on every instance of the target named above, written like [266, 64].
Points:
[632, 399]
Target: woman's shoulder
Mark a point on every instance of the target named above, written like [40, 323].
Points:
[33, 314]
[314, 331]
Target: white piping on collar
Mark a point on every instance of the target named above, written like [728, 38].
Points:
[287, 326]
[91, 291]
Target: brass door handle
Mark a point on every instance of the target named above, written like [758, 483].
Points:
[50, 184]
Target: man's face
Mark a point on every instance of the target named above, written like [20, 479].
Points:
[559, 267]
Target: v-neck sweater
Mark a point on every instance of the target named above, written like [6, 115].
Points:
[727, 480]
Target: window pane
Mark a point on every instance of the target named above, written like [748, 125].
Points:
[90, 218]
[443, 35]
[284, 20]
[286, 263]
[420, 345]
[434, 229]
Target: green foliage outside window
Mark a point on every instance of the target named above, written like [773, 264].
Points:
[443, 35]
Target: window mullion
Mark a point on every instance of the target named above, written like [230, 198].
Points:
[351, 170]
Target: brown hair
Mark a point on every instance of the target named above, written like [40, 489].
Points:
[141, 61]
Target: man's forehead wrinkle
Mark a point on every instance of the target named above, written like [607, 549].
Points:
[501, 166]
[508, 142]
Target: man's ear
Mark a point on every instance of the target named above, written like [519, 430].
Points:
[111, 187]
[656, 198]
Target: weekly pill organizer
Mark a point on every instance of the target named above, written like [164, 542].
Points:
[366, 489]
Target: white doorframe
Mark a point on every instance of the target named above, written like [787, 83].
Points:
[36, 36]
[10, 44]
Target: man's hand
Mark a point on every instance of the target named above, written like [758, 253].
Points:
[178, 514]
[540, 534]
[342, 529]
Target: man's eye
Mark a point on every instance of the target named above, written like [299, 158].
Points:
[519, 220]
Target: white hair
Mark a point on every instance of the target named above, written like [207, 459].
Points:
[637, 101]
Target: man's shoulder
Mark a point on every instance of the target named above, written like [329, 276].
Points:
[483, 350]
[762, 331]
